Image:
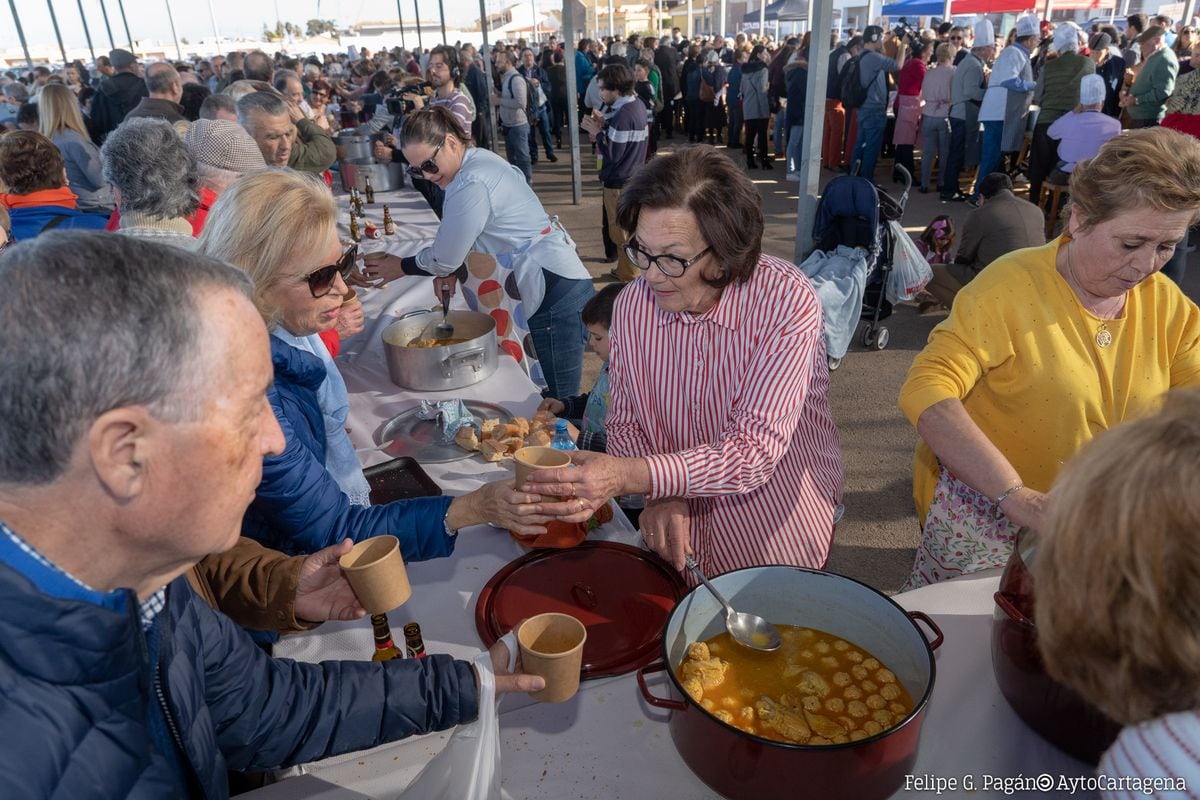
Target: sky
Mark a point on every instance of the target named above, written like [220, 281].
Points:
[148, 18]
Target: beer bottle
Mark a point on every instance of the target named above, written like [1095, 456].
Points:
[370, 190]
[356, 201]
[385, 649]
[389, 227]
[414, 645]
[354, 232]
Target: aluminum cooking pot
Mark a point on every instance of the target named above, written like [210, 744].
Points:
[439, 369]
[385, 177]
[1055, 712]
[352, 146]
[743, 766]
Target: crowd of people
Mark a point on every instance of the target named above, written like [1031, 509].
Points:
[203, 478]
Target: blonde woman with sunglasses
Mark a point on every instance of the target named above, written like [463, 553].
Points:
[279, 226]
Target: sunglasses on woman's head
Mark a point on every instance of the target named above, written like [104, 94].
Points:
[320, 280]
[428, 166]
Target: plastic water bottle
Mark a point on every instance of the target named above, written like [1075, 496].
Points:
[562, 438]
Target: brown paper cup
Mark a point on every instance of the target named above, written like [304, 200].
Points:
[376, 572]
[552, 646]
[529, 459]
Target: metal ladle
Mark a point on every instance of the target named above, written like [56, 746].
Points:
[444, 329]
[747, 630]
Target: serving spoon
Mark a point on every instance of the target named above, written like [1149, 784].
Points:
[747, 630]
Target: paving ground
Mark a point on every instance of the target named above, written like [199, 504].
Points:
[876, 538]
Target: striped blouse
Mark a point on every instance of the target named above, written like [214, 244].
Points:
[730, 409]
[1164, 751]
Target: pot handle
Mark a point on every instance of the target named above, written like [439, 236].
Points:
[450, 362]
[408, 314]
[657, 702]
[1010, 609]
[921, 616]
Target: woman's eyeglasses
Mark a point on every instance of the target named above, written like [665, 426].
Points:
[320, 280]
[669, 265]
[956, 38]
[428, 166]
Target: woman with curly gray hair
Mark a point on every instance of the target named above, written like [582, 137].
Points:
[154, 181]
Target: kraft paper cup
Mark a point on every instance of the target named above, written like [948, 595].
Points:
[376, 573]
[552, 646]
[530, 459]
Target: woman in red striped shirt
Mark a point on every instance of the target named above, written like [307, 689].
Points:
[719, 410]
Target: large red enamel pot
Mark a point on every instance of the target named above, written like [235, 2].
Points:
[740, 765]
[1064, 718]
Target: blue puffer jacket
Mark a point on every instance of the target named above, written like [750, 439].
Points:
[298, 507]
[77, 683]
[29, 221]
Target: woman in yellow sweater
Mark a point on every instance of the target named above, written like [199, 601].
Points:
[1049, 346]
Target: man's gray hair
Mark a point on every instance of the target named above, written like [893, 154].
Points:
[239, 89]
[150, 166]
[266, 103]
[215, 103]
[17, 91]
[93, 322]
[279, 81]
[161, 77]
[257, 66]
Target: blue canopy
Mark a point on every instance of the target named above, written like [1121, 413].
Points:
[914, 8]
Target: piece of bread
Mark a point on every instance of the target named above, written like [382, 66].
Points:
[543, 417]
[538, 438]
[485, 430]
[492, 450]
[511, 444]
[522, 426]
[466, 438]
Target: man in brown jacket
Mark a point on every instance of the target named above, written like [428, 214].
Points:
[266, 590]
[1002, 223]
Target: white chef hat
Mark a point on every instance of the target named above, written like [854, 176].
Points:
[1091, 90]
[1027, 26]
[985, 34]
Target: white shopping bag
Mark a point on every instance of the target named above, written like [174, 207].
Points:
[469, 766]
[910, 271]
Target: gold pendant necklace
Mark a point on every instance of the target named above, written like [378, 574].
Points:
[1103, 336]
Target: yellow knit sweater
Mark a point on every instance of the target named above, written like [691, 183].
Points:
[1020, 352]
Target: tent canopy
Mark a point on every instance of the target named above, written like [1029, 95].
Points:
[783, 11]
[934, 8]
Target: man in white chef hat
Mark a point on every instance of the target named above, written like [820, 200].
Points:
[1005, 109]
[966, 94]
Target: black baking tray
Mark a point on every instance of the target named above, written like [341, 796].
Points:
[399, 479]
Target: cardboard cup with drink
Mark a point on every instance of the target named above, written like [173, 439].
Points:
[376, 572]
[552, 646]
[529, 459]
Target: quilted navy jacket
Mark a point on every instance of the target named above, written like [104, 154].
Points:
[76, 680]
[299, 508]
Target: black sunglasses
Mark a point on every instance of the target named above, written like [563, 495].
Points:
[428, 166]
[320, 280]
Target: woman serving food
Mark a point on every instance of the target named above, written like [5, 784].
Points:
[1048, 347]
[718, 410]
[490, 209]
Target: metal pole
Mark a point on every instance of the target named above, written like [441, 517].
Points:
[86, 33]
[171, 19]
[1049, 7]
[762, 21]
[572, 100]
[872, 11]
[213, 18]
[12, 4]
[125, 22]
[658, 30]
[112, 43]
[721, 26]
[486, 52]
[947, 13]
[689, 25]
[821, 17]
[442, 16]
[1189, 11]
[536, 33]
[57, 34]
[611, 20]
[417, 13]
[400, 16]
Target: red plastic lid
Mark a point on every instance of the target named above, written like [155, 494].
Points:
[622, 594]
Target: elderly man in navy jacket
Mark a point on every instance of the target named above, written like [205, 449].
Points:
[122, 464]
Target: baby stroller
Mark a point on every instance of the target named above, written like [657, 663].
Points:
[854, 212]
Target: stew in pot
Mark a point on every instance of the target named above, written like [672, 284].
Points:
[815, 689]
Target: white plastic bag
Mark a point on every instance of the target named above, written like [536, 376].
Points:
[469, 766]
[910, 271]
